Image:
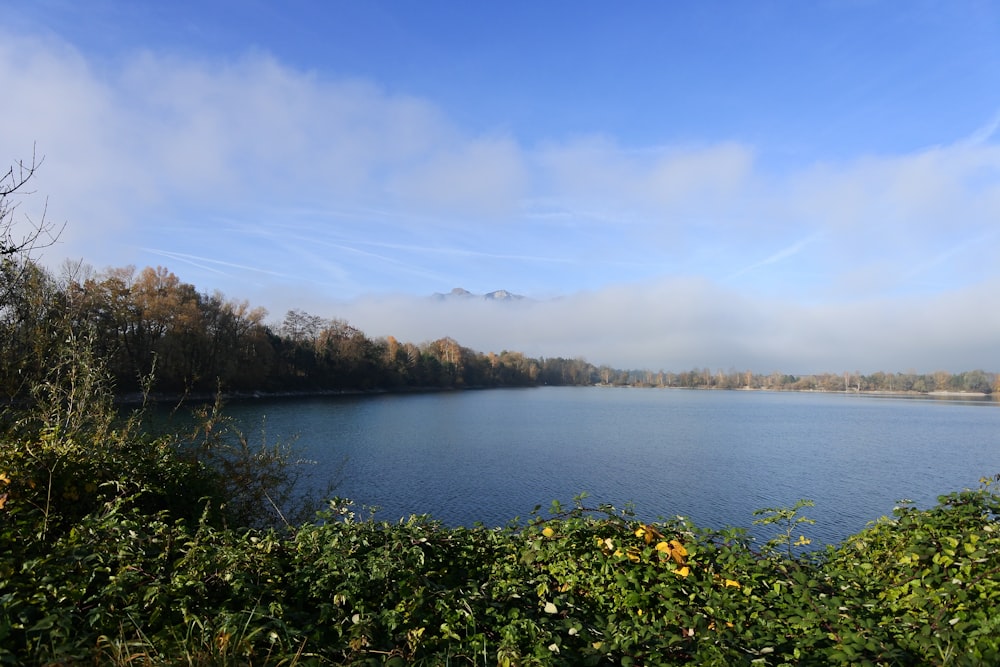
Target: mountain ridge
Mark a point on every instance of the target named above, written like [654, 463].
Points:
[462, 293]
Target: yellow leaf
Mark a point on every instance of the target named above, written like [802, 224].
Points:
[733, 583]
[683, 572]
[678, 547]
[4, 479]
[663, 547]
[647, 532]
[548, 532]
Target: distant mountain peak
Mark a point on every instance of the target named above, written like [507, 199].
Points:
[462, 293]
[502, 295]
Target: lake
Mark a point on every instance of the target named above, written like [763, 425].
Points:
[713, 456]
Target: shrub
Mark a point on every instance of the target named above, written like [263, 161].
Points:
[584, 586]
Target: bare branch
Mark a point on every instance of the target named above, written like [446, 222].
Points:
[41, 233]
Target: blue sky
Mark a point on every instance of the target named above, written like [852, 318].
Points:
[769, 185]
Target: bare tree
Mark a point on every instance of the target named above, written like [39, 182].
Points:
[40, 233]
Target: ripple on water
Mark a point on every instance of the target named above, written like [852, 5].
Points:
[713, 456]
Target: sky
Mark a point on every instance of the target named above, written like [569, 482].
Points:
[772, 185]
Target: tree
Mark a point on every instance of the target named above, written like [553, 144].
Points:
[302, 327]
[19, 241]
[29, 308]
[239, 352]
[32, 325]
[39, 233]
[977, 381]
[169, 320]
[345, 356]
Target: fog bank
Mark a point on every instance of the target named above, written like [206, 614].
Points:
[680, 324]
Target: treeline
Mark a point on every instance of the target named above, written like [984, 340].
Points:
[977, 381]
[149, 324]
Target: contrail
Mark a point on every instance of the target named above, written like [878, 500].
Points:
[784, 253]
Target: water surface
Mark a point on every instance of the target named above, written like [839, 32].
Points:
[713, 456]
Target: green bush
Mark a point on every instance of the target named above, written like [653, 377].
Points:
[583, 587]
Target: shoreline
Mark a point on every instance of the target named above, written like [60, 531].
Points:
[137, 399]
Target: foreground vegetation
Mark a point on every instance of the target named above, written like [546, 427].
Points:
[112, 569]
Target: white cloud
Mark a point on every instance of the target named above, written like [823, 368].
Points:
[160, 136]
[255, 126]
[485, 177]
[597, 171]
[54, 102]
[954, 185]
[677, 177]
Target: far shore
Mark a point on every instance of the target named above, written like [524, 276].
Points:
[876, 392]
[133, 399]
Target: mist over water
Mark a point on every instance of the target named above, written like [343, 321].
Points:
[712, 456]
